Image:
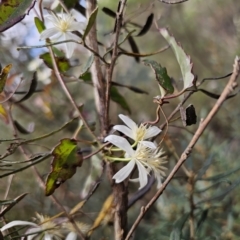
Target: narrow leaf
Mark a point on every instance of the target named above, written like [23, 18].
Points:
[31, 90]
[119, 99]
[178, 226]
[87, 66]
[64, 164]
[3, 76]
[12, 12]
[11, 205]
[161, 76]
[109, 12]
[132, 88]
[215, 96]
[39, 24]
[134, 47]
[90, 23]
[4, 114]
[21, 129]
[183, 59]
[105, 213]
[62, 62]
[147, 25]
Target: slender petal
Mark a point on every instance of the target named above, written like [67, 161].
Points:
[71, 236]
[143, 175]
[128, 121]
[120, 142]
[47, 33]
[48, 236]
[124, 172]
[152, 131]
[148, 144]
[17, 223]
[125, 130]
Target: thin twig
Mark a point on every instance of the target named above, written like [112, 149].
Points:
[232, 84]
[174, 2]
[96, 71]
[65, 89]
[119, 190]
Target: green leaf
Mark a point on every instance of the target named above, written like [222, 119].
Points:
[31, 90]
[178, 226]
[66, 160]
[13, 11]
[70, 3]
[119, 99]
[39, 24]
[87, 77]
[3, 76]
[90, 23]
[87, 66]
[62, 62]
[183, 59]
[161, 76]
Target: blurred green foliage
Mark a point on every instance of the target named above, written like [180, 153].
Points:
[209, 31]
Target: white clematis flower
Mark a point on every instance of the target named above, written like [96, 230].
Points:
[46, 229]
[135, 132]
[147, 158]
[61, 29]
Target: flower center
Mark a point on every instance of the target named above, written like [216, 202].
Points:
[63, 25]
[140, 133]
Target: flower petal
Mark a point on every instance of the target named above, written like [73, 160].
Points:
[123, 129]
[121, 143]
[47, 33]
[152, 131]
[17, 223]
[128, 121]
[148, 144]
[143, 175]
[124, 172]
[71, 236]
[30, 232]
[48, 236]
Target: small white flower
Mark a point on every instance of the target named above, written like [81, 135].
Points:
[147, 158]
[135, 132]
[46, 229]
[62, 26]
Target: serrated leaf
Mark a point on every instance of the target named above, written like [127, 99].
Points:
[119, 99]
[64, 164]
[90, 23]
[178, 226]
[3, 76]
[147, 25]
[12, 12]
[161, 76]
[87, 66]
[39, 24]
[4, 114]
[31, 90]
[183, 59]
[62, 62]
